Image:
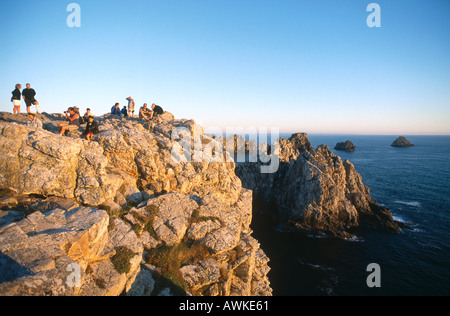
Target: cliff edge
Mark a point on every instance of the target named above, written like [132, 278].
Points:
[118, 216]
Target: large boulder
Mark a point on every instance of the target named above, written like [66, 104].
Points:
[66, 253]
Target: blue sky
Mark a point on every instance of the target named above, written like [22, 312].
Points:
[310, 66]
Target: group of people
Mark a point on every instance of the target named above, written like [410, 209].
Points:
[147, 114]
[73, 118]
[29, 96]
[144, 112]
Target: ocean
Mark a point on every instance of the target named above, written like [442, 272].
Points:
[414, 183]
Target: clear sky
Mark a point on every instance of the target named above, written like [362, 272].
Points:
[300, 65]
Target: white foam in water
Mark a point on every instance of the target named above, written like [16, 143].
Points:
[318, 236]
[412, 203]
[398, 218]
[355, 239]
[316, 266]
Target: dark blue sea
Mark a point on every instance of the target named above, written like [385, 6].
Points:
[414, 183]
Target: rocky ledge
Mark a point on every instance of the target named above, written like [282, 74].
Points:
[119, 216]
[402, 142]
[315, 192]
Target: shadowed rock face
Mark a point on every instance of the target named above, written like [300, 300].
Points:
[315, 191]
[402, 142]
[105, 206]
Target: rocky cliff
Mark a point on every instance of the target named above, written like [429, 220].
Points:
[120, 216]
[315, 191]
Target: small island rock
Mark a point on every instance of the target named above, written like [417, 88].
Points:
[402, 142]
[347, 146]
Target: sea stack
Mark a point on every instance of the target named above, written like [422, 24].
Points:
[402, 142]
[315, 191]
[345, 146]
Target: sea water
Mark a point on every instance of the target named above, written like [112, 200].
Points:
[414, 183]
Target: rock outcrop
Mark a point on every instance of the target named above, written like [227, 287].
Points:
[315, 191]
[120, 215]
[345, 146]
[67, 253]
[402, 142]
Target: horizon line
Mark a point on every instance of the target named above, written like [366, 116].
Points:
[409, 134]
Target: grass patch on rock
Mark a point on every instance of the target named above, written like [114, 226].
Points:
[196, 218]
[121, 260]
[169, 260]
[146, 222]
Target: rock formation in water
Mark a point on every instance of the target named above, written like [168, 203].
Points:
[314, 191]
[120, 216]
[345, 146]
[402, 142]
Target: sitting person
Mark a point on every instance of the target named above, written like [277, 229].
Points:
[85, 118]
[115, 110]
[91, 129]
[74, 122]
[33, 121]
[145, 113]
[157, 110]
[124, 112]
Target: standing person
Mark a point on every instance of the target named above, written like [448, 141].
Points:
[74, 122]
[16, 94]
[115, 110]
[29, 98]
[33, 121]
[91, 129]
[131, 106]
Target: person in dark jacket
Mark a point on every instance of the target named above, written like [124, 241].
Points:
[29, 98]
[16, 94]
[124, 112]
[157, 110]
[91, 129]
